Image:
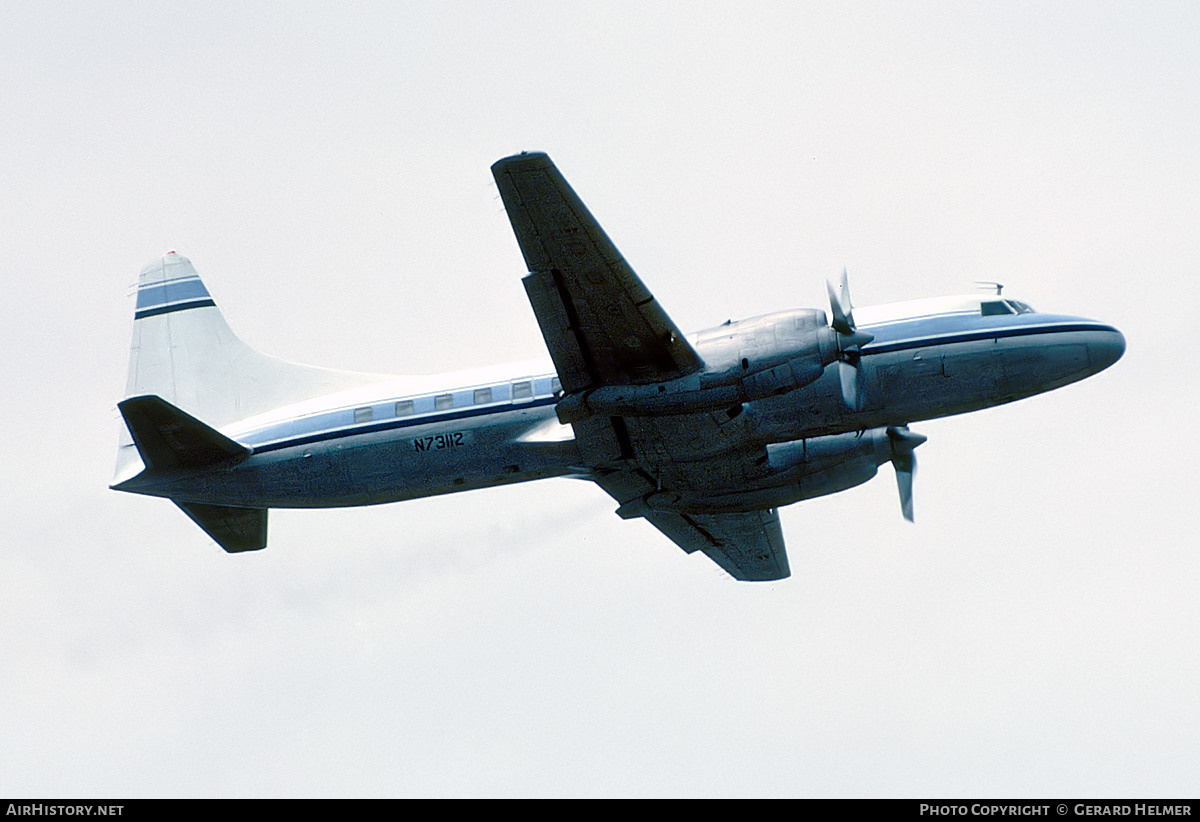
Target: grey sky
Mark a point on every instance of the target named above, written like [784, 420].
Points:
[327, 172]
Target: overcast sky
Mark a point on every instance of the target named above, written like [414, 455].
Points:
[325, 167]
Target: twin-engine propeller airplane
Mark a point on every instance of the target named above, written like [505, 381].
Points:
[704, 436]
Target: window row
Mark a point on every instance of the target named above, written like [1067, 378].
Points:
[522, 390]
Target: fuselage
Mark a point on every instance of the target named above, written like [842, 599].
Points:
[944, 356]
[412, 437]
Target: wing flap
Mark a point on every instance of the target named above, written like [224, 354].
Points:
[571, 353]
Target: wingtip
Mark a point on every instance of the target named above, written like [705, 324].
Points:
[526, 159]
[170, 258]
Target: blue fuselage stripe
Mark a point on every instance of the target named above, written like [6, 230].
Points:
[973, 336]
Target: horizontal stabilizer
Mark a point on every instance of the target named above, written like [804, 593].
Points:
[167, 437]
[234, 529]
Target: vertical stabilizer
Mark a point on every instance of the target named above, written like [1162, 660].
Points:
[184, 352]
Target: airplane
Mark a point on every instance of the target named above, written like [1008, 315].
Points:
[704, 436]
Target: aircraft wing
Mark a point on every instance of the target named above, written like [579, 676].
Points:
[601, 324]
[603, 327]
[667, 464]
[748, 545]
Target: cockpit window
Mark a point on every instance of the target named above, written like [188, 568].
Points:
[991, 308]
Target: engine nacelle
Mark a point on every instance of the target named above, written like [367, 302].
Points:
[817, 466]
[803, 469]
[743, 361]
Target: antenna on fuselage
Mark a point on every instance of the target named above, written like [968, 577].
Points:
[990, 284]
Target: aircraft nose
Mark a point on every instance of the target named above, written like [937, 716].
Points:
[1105, 348]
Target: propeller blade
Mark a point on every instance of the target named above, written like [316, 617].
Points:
[840, 308]
[905, 468]
[904, 460]
[848, 373]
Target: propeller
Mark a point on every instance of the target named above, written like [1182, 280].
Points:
[903, 442]
[850, 341]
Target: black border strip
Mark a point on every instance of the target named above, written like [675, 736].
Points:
[167, 309]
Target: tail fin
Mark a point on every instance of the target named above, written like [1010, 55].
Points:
[184, 352]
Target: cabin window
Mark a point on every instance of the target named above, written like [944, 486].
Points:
[555, 386]
[362, 414]
[994, 307]
[522, 390]
[443, 401]
[482, 396]
[404, 408]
